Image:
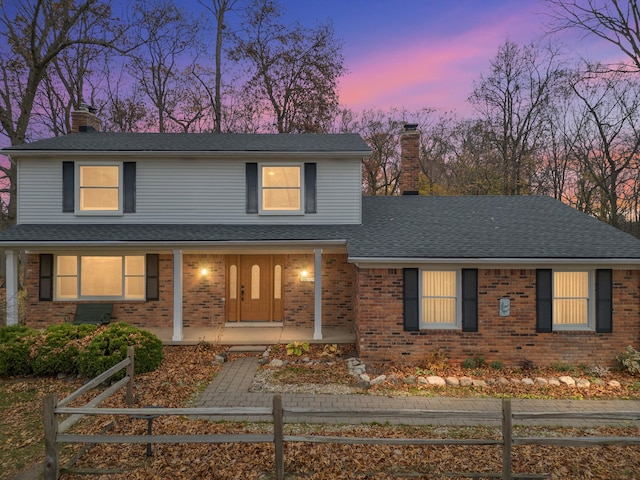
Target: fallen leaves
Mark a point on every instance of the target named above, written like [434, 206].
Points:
[187, 370]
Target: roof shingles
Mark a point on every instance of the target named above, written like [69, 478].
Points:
[407, 227]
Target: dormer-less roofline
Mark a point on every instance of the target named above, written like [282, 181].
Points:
[188, 153]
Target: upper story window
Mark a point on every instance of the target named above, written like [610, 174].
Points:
[281, 189]
[99, 188]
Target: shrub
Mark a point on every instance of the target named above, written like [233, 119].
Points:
[297, 348]
[435, 360]
[473, 362]
[629, 360]
[15, 348]
[562, 367]
[58, 349]
[109, 347]
[496, 365]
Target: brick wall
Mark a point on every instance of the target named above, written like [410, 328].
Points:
[204, 296]
[382, 339]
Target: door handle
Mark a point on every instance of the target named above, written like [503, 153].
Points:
[242, 293]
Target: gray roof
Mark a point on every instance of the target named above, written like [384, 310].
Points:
[408, 227]
[198, 142]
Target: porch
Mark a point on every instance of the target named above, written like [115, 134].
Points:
[249, 334]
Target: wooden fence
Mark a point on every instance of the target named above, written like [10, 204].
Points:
[55, 430]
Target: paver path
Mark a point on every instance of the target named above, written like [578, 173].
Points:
[231, 386]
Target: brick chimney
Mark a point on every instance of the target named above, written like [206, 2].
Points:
[410, 160]
[84, 119]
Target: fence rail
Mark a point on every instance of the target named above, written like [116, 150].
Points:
[55, 430]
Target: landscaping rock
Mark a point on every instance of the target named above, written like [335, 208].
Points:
[567, 380]
[598, 382]
[614, 384]
[452, 381]
[276, 363]
[502, 381]
[410, 380]
[306, 359]
[541, 381]
[478, 383]
[583, 383]
[378, 379]
[365, 378]
[515, 381]
[393, 378]
[527, 381]
[465, 382]
[219, 359]
[554, 382]
[435, 380]
[422, 381]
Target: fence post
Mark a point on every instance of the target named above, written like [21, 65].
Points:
[130, 369]
[51, 461]
[278, 436]
[507, 438]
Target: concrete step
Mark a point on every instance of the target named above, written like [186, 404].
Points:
[247, 348]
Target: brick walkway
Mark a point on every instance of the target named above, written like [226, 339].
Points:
[231, 386]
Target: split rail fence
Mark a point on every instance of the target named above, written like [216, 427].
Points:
[56, 430]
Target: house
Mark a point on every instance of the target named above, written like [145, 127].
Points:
[210, 231]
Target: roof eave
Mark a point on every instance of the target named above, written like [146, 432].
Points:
[190, 153]
[520, 262]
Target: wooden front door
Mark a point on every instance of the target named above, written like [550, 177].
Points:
[254, 288]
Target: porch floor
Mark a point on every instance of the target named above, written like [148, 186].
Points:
[253, 335]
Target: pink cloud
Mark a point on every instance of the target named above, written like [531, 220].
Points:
[431, 71]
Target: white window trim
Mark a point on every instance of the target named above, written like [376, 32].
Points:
[300, 165]
[79, 297]
[101, 213]
[591, 310]
[457, 325]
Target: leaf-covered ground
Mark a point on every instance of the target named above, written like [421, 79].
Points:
[186, 370]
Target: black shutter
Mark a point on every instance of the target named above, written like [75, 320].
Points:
[129, 180]
[544, 301]
[410, 294]
[68, 189]
[46, 277]
[604, 301]
[153, 277]
[252, 187]
[469, 300]
[310, 188]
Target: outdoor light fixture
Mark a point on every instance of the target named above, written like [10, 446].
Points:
[204, 271]
[305, 277]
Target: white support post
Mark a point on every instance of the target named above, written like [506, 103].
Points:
[12, 286]
[177, 295]
[317, 304]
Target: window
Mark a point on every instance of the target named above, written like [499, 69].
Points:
[92, 277]
[99, 188]
[281, 189]
[439, 299]
[571, 306]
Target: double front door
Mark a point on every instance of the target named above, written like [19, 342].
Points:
[255, 288]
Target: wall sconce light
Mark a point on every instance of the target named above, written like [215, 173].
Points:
[204, 271]
[305, 276]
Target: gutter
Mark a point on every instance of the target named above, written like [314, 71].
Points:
[373, 262]
[187, 153]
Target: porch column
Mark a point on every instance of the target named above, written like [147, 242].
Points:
[11, 284]
[177, 295]
[317, 282]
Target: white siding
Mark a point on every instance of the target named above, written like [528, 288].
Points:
[190, 190]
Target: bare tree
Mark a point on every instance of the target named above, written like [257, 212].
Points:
[292, 69]
[607, 140]
[511, 100]
[166, 33]
[34, 33]
[219, 9]
[615, 21]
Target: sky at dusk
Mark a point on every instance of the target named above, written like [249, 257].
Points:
[427, 53]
